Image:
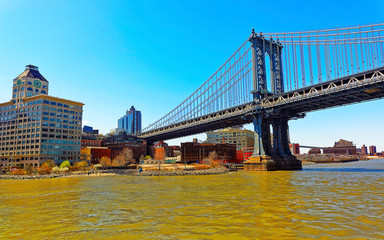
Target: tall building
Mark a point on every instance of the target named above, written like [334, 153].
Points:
[131, 121]
[35, 127]
[242, 138]
[372, 150]
[364, 150]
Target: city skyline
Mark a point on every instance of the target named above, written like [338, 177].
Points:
[164, 55]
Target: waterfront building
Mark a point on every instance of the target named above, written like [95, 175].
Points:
[117, 143]
[196, 152]
[94, 154]
[242, 138]
[131, 121]
[341, 147]
[35, 127]
[372, 150]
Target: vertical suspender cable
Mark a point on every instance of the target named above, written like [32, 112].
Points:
[346, 54]
[286, 67]
[302, 62]
[361, 50]
[357, 54]
[318, 59]
[310, 59]
[289, 68]
[350, 52]
[369, 46]
[326, 57]
[380, 42]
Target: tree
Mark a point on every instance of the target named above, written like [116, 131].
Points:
[128, 154]
[213, 159]
[119, 160]
[66, 164]
[105, 161]
[80, 165]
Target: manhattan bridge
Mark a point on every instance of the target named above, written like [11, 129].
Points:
[276, 77]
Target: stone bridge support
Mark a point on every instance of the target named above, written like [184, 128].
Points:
[271, 155]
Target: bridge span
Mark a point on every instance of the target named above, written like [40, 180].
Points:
[320, 70]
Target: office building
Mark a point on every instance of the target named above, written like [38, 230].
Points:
[35, 127]
[242, 138]
[131, 121]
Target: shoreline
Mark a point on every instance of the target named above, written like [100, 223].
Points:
[118, 172]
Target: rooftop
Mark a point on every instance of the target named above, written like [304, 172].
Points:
[32, 71]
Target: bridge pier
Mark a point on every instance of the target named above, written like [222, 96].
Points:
[268, 157]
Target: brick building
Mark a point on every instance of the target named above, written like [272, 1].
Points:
[117, 143]
[196, 152]
[341, 147]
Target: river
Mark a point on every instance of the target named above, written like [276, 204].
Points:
[327, 201]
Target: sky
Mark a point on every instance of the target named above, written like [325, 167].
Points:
[111, 55]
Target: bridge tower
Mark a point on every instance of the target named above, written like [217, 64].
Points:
[269, 155]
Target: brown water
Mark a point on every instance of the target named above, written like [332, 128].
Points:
[334, 201]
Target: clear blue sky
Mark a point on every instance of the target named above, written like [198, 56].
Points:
[153, 54]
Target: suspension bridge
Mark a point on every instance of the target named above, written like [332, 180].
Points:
[275, 77]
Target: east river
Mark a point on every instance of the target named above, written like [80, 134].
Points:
[331, 201]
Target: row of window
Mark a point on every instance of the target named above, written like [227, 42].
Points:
[29, 83]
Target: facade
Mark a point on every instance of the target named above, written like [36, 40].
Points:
[341, 147]
[196, 152]
[35, 127]
[372, 150]
[131, 121]
[242, 138]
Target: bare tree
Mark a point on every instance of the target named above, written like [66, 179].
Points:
[105, 161]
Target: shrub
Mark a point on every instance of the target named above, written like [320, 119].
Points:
[18, 172]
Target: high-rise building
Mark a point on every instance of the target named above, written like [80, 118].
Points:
[364, 150]
[35, 127]
[241, 137]
[131, 121]
[372, 150]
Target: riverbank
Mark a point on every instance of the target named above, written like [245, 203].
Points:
[181, 172]
[121, 172]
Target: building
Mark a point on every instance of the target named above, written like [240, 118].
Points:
[341, 147]
[364, 150]
[90, 137]
[35, 127]
[117, 143]
[196, 152]
[131, 121]
[94, 154]
[242, 138]
[372, 150]
[295, 148]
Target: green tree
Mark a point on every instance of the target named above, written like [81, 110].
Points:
[66, 164]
